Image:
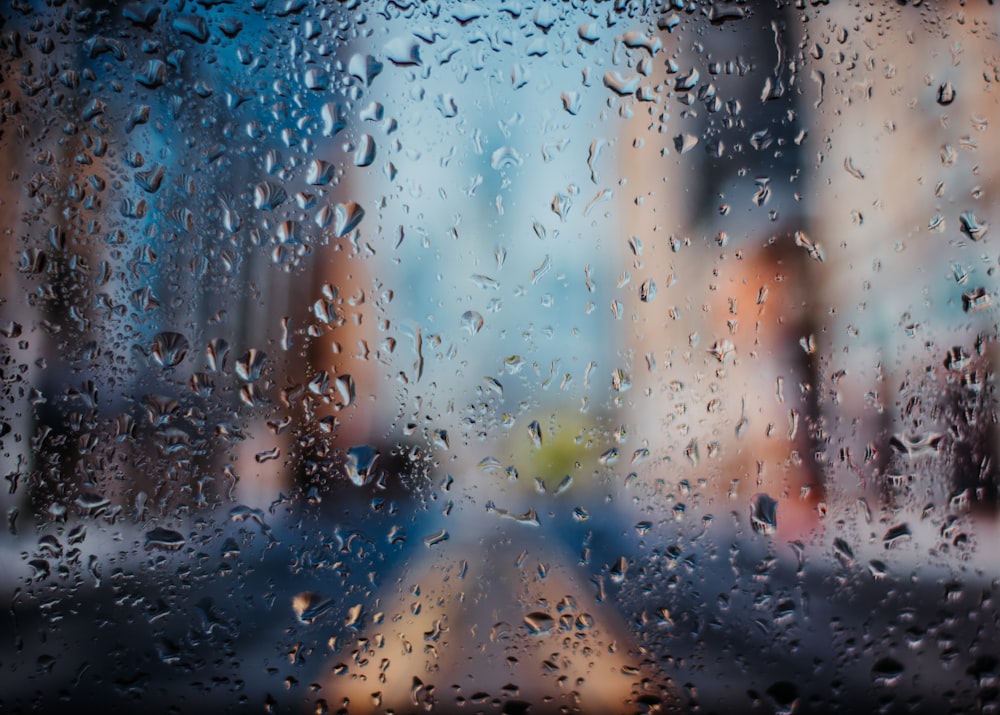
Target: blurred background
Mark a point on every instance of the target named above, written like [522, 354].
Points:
[499, 357]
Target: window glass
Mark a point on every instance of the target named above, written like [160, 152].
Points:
[499, 357]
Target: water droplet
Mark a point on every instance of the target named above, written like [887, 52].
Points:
[814, 249]
[40, 569]
[169, 348]
[609, 456]
[332, 115]
[364, 155]
[194, 26]
[764, 515]
[634, 39]
[436, 538]
[151, 179]
[268, 455]
[785, 696]
[887, 671]
[571, 102]
[620, 85]
[976, 300]
[403, 51]
[601, 197]
[314, 79]
[914, 447]
[485, 282]
[843, 552]
[647, 291]
[92, 503]
[310, 607]
[144, 14]
[505, 158]
[684, 143]
[346, 389]
[720, 13]
[957, 359]
[945, 94]
[971, 226]
[721, 349]
[347, 216]
[687, 82]
[589, 32]
[539, 623]
[249, 366]
[268, 196]
[878, 569]
[853, 170]
[535, 433]
[216, 354]
[360, 463]
[364, 67]
[165, 539]
[472, 322]
[541, 270]
[231, 220]
[447, 105]
[319, 172]
[896, 535]
[960, 501]
[519, 76]
[466, 12]
[153, 75]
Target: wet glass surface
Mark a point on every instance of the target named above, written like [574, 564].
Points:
[499, 357]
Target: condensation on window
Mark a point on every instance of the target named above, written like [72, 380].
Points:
[499, 357]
